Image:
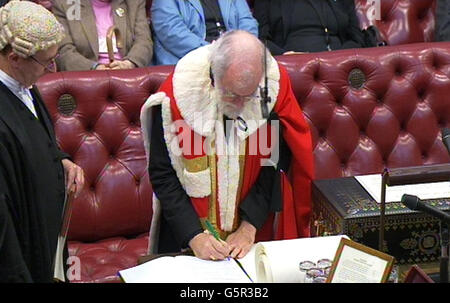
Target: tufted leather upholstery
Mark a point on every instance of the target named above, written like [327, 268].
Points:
[402, 21]
[393, 121]
[103, 136]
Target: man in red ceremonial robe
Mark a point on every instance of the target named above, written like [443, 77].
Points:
[213, 157]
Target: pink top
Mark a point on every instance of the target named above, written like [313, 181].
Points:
[104, 20]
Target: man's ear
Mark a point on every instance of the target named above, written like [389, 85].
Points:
[13, 59]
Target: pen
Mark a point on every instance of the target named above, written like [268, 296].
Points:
[213, 232]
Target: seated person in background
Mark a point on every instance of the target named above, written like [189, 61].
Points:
[181, 26]
[308, 25]
[220, 175]
[442, 21]
[84, 47]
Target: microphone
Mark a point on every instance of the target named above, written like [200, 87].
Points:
[446, 138]
[264, 91]
[414, 203]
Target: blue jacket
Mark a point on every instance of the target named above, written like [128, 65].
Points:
[179, 26]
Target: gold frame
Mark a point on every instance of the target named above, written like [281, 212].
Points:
[365, 249]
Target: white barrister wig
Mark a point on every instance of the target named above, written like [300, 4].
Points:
[28, 27]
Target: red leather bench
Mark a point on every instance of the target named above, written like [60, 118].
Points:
[394, 120]
[368, 109]
[111, 217]
[401, 21]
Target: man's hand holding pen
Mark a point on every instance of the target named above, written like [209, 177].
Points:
[74, 177]
[241, 241]
[209, 246]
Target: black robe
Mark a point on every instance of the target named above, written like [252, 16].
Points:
[31, 190]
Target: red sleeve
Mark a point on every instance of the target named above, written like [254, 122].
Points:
[297, 134]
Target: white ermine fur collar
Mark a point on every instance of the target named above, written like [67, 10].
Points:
[197, 99]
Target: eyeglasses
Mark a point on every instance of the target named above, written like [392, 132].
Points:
[50, 66]
[232, 96]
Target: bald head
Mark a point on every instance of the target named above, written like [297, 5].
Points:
[237, 61]
[237, 66]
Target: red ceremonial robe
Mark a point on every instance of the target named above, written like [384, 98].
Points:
[294, 219]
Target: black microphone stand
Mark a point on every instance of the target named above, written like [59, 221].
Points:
[264, 91]
[444, 233]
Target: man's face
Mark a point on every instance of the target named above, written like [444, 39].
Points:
[239, 85]
[28, 70]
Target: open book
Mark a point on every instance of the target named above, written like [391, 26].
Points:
[272, 261]
[278, 261]
[185, 269]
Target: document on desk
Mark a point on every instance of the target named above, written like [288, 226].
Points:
[267, 262]
[372, 184]
[357, 267]
[185, 269]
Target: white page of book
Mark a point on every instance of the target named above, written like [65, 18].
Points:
[372, 184]
[278, 261]
[248, 262]
[226, 271]
[185, 269]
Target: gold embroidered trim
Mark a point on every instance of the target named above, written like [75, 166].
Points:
[212, 214]
[196, 165]
[243, 149]
[213, 197]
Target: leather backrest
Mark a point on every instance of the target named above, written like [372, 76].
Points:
[400, 21]
[103, 136]
[393, 120]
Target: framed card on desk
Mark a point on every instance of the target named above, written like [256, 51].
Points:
[357, 263]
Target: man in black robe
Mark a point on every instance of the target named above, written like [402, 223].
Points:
[34, 173]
